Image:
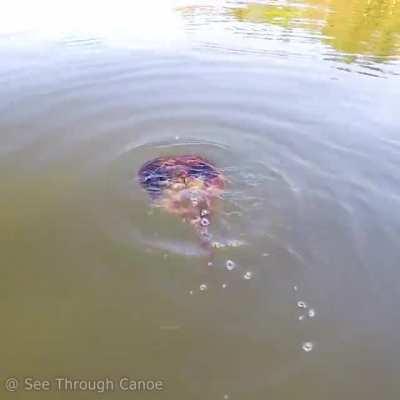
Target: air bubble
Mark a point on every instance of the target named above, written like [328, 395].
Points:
[295, 288]
[307, 346]
[311, 313]
[191, 292]
[204, 222]
[301, 317]
[248, 275]
[203, 287]
[301, 304]
[230, 265]
[210, 264]
[204, 212]
[224, 285]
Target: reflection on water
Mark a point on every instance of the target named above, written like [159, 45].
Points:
[363, 32]
[297, 104]
[370, 27]
[285, 16]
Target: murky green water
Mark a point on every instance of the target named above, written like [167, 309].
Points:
[297, 102]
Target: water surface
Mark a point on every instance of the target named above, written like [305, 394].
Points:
[297, 102]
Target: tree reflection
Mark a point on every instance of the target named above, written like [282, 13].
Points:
[367, 27]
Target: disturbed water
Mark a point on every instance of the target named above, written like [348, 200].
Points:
[297, 103]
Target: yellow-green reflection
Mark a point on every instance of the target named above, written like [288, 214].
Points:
[369, 27]
[272, 14]
[364, 26]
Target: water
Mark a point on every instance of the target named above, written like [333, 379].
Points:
[297, 102]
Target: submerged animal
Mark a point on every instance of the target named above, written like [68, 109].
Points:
[188, 186]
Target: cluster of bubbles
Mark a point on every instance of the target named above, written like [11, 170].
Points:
[230, 265]
[310, 313]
